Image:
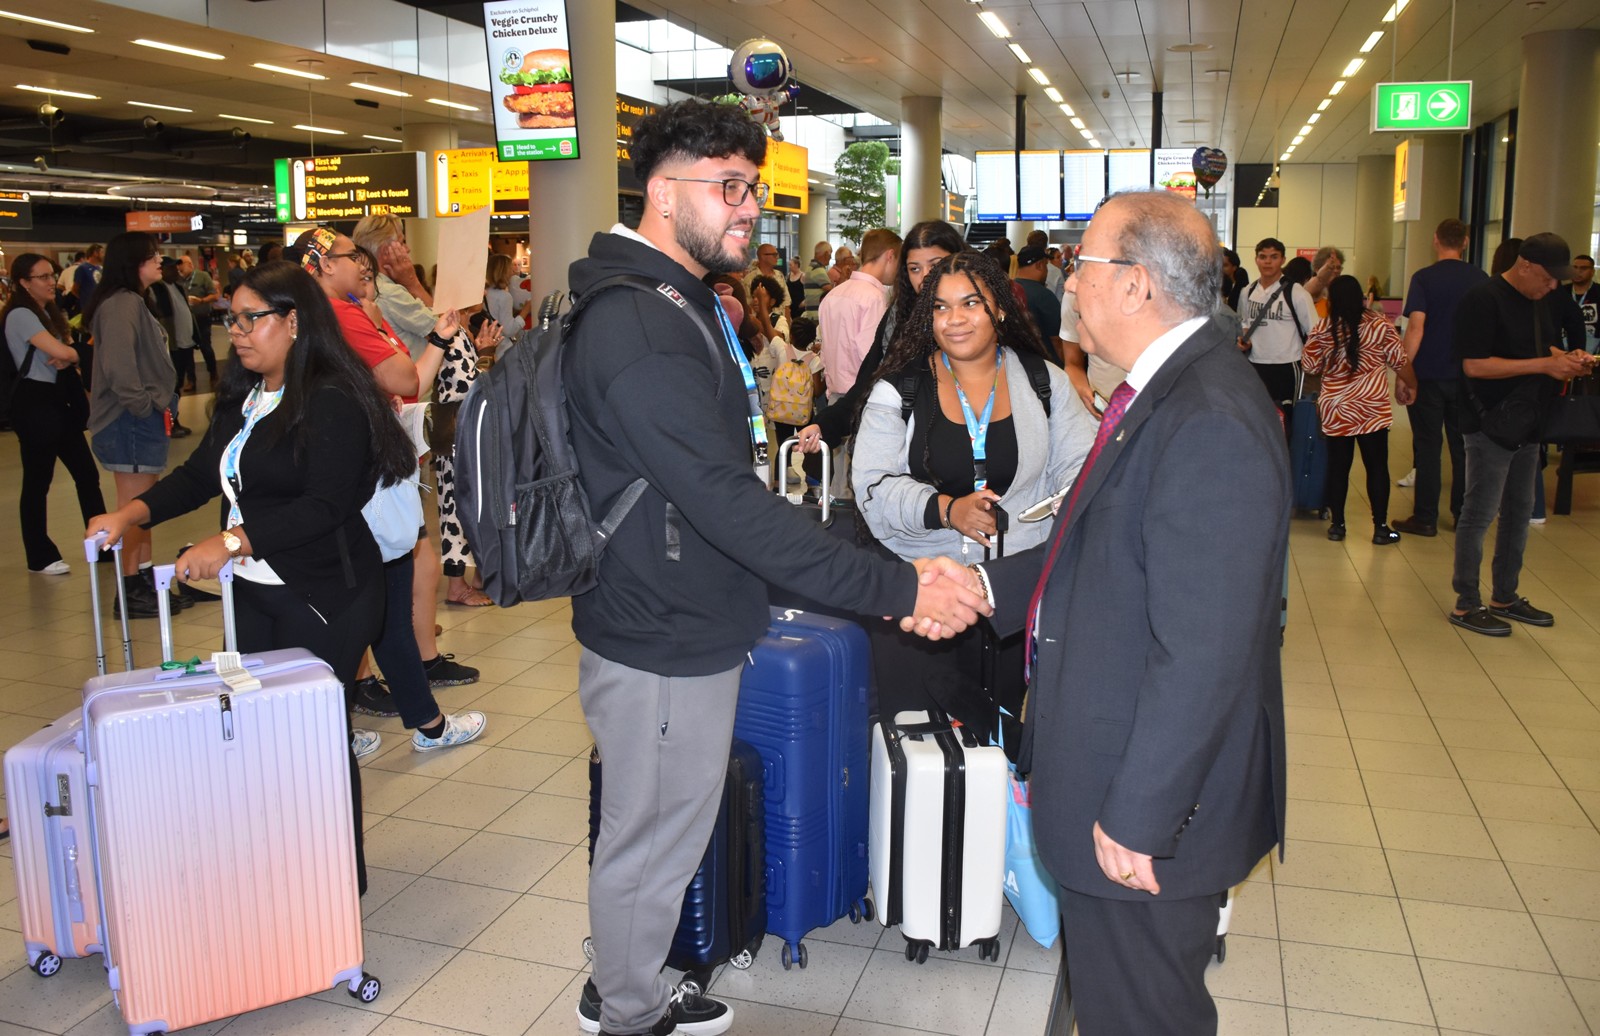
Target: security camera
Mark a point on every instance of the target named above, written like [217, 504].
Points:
[40, 164]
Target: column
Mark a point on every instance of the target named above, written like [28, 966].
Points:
[921, 141]
[1441, 197]
[813, 228]
[1374, 230]
[423, 234]
[1558, 116]
[570, 200]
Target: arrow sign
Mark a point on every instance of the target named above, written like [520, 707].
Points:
[1443, 105]
[1422, 106]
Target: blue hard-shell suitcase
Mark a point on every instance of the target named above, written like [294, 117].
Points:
[724, 918]
[803, 706]
[1308, 456]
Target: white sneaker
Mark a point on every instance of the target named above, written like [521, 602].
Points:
[459, 728]
[364, 742]
[1536, 521]
[55, 568]
[1408, 480]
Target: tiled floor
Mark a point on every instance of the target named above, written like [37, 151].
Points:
[1443, 873]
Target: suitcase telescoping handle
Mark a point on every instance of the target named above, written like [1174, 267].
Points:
[164, 575]
[782, 474]
[92, 549]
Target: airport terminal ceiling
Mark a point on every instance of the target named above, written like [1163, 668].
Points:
[1245, 75]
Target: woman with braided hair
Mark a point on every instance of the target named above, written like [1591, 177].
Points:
[965, 422]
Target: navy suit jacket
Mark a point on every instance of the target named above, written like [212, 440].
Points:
[1156, 704]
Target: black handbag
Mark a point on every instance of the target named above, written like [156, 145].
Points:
[441, 428]
[1573, 419]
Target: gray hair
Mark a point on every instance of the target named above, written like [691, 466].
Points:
[1167, 235]
[1322, 256]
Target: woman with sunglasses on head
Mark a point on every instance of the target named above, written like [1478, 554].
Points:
[49, 410]
[299, 438]
[133, 386]
[979, 445]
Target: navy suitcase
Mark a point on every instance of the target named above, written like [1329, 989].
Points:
[1308, 456]
[803, 706]
[724, 917]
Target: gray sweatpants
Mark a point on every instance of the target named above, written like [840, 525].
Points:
[664, 745]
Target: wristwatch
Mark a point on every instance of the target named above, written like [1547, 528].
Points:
[231, 541]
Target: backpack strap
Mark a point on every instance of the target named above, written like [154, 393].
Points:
[650, 287]
[1038, 375]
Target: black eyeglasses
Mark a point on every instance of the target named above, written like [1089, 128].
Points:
[734, 190]
[245, 321]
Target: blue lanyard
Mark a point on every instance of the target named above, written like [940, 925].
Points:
[758, 424]
[977, 427]
[257, 405]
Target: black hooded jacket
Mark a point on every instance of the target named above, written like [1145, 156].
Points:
[644, 401]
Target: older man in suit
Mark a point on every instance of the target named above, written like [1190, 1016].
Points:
[1155, 725]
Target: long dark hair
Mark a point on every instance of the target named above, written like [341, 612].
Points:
[125, 253]
[1346, 304]
[931, 233]
[1298, 270]
[49, 314]
[1505, 256]
[318, 358]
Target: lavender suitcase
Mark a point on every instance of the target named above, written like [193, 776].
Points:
[221, 803]
[58, 903]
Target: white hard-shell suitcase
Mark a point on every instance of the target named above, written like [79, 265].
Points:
[223, 828]
[58, 903]
[937, 834]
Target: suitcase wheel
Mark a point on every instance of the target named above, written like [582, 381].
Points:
[1222, 948]
[989, 949]
[367, 988]
[917, 950]
[47, 964]
[791, 956]
[743, 960]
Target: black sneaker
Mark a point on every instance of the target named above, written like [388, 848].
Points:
[175, 599]
[1522, 611]
[372, 698]
[1478, 620]
[689, 1013]
[141, 600]
[445, 671]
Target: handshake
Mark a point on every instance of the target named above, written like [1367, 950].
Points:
[950, 598]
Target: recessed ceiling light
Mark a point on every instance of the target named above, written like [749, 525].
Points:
[1283, 158]
[994, 23]
[245, 118]
[1352, 68]
[1094, 144]
[1191, 122]
[1296, 141]
[1052, 93]
[61, 93]
[1087, 134]
[850, 60]
[1021, 54]
[1077, 123]
[359, 85]
[175, 49]
[1372, 41]
[318, 129]
[1324, 105]
[1394, 10]
[1311, 120]
[159, 107]
[1066, 109]
[298, 72]
[31, 20]
[1505, 140]
[1189, 48]
[451, 104]
[1335, 88]
[1039, 76]
[1128, 76]
[1305, 131]
[1219, 72]
[386, 140]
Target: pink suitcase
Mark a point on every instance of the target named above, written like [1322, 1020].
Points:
[222, 824]
[58, 903]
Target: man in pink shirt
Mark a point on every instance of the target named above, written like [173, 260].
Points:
[850, 313]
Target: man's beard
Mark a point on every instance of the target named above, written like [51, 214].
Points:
[704, 245]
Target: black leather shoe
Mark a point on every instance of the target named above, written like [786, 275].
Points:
[1412, 527]
[1382, 536]
[1336, 531]
[1522, 611]
[180, 432]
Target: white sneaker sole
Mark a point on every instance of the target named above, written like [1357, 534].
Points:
[454, 744]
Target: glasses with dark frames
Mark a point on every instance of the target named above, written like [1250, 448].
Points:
[245, 321]
[734, 190]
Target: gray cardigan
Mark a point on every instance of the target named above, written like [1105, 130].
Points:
[894, 503]
[133, 371]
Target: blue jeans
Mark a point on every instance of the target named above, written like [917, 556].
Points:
[1498, 480]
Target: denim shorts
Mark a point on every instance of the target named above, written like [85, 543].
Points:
[134, 445]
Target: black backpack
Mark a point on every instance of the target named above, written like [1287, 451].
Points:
[1035, 365]
[518, 495]
[11, 376]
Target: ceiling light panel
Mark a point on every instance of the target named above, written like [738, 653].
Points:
[1066, 109]
[1372, 41]
[58, 93]
[1021, 54]
[371, 88]
[246, 118]
[1054, 94]
[1324, 105]
[1087, 134]
[318, 129]
[996, 26]
[159, 107]
[297, 72]
[173, 48]
[1039, 76]
[1333, 90]
[47, 23]
[1352, 68]
[451, 104]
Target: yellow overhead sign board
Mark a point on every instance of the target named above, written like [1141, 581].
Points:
[785, 170]
[468, 179]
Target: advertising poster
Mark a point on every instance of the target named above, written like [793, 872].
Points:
[530, 79]
[1175, 170]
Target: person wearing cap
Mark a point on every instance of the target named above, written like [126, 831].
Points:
[1033, 267]
[1505, 337]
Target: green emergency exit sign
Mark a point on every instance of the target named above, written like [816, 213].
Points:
[1422, 106]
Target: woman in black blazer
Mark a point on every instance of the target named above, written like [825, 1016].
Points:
[300, 437]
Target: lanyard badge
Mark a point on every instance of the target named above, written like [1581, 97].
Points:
[758, 424]
[977, 427]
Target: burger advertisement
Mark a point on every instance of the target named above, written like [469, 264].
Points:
[530, 73]
[1175, 171]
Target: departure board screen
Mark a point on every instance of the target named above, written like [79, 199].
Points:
[1128, 168]
[1083, 182]
[997, 185]
[1040, 174]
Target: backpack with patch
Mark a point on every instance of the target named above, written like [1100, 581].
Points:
[789, 398]
[519, 499]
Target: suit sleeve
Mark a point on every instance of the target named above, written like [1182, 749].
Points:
[1201, 605]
